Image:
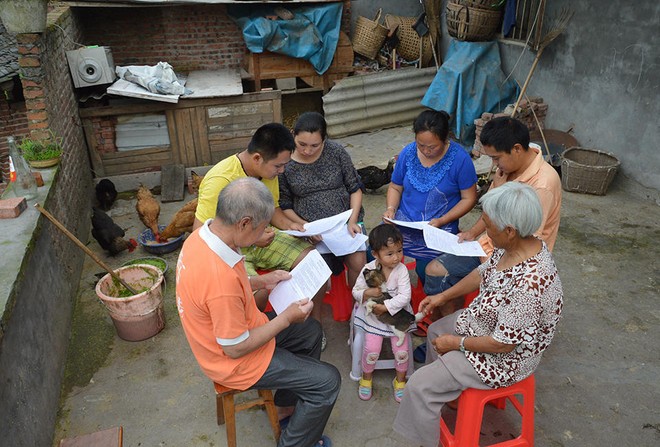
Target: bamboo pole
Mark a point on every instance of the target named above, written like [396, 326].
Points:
[89, 252]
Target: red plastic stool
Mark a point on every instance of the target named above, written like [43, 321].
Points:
[471, 409]
[339, 297]
[469, 298]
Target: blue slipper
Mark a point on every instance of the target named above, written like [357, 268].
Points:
[324, 442]
[284, 422]
[419, 354]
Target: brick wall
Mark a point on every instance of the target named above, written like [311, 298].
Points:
[193, 37]
[36, 320]
[190, 37]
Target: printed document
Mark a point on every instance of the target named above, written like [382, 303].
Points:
[306, 279]
[447, 242]
[402, 223]
[340, 242]
[322, 225]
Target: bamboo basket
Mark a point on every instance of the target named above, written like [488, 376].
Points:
[587, 171]
[369, 36]
[483, 4]
[409, 40]
[472, 24]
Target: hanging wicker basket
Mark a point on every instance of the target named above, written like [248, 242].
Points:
[587, 170]
[483, 4]
[369, 36]
[472, 24]
[409, 40]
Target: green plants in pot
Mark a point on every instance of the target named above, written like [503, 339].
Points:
[41, 153]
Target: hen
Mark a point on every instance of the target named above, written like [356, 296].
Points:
[109, 235]
[148, 209]
[106, 193]
[374, 177]
[195, 181]
[182, 221]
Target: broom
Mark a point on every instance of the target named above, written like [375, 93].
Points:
[559, 27]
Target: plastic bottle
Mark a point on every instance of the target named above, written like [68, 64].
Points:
[22, 182]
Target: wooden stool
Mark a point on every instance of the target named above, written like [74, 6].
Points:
[471, 409]
[112, 437]
[226, 410]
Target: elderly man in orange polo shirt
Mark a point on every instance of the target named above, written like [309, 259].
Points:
[506, 141]
[235, 344]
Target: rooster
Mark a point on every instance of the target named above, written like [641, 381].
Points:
[373, 177]
[148, 209]
[182, 221]
[106, 193]
[109, 235]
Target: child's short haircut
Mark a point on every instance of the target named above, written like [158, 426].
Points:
[384, 235]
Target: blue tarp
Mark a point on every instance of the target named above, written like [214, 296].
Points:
[312, 34]
[469, 83]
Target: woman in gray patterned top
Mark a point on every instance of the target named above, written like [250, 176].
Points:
[321, 181]
[500, 337]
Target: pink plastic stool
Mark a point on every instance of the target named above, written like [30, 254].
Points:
[471, 409]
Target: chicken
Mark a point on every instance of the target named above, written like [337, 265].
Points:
[374, 177]
[109, 235]
[106, 193]
[195, 180]
[182, 221]
[148, 209]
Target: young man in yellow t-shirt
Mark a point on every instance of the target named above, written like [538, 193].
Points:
[268, 152]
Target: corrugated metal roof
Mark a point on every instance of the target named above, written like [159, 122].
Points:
[376, 101]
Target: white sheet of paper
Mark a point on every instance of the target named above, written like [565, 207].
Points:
[322, 225]
[447, 242]
[402, 223]
[306, 279]
[340, 242]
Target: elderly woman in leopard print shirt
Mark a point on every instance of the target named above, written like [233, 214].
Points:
[500, 337]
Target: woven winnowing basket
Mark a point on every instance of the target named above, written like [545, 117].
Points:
[369, 36]
[588, 171]
[409, 40]
[472, 24]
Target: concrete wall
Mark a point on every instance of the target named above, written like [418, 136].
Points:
[36, 321]
[601, 78]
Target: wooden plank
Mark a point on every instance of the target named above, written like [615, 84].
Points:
[184, 124]
[240, 122]
[201, 137]
[141, 107]
[136, 153]
[172, 181]
[214, 83]
[122, 87]
[92, 150]
[232, 110]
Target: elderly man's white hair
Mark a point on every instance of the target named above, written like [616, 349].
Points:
[514, 205]
[245, 197]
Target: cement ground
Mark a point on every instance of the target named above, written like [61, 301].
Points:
[596, 386]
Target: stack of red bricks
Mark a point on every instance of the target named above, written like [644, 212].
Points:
[526, 112]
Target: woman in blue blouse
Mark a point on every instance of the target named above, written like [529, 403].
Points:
[433, 180]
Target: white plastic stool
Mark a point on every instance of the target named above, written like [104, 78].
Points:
[356, 343]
